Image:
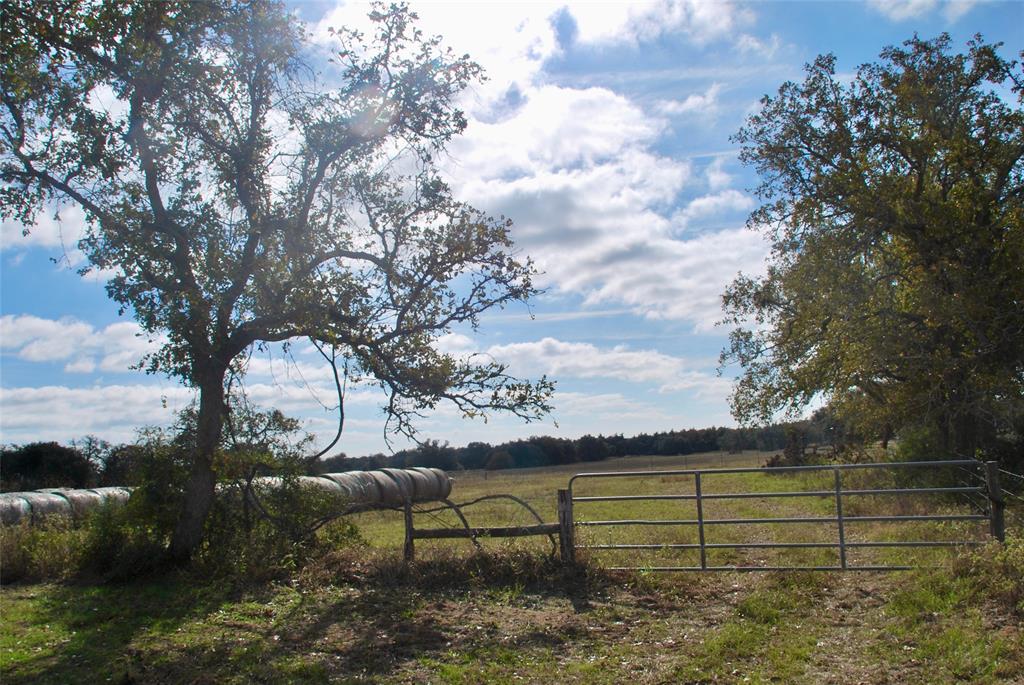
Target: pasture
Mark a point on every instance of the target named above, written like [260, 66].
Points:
[512, 613]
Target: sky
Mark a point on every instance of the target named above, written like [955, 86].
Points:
[603, 131]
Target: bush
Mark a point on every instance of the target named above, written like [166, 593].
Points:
[997, 571]
[52, 550]
[44, 465]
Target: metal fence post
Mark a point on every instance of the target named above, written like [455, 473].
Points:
[566, 532]
[997, 503]
[839, 517]
[700, 522]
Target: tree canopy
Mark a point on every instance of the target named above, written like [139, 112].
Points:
[894, 203]
[239, 197]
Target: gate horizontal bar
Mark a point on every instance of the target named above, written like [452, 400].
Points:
[831, 493]
[911, 491]
[937, 517]
[917, 543]
[776, 469]
[621, 498]
[801, 519]
[713, 545]
[640, 522]
[798, 493]
[786, 545]
[753, 569]
[500, 532]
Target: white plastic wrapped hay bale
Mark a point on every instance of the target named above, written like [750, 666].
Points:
[320, 483]
[404, 481]
[46, 504]
[430, 484]
[113, 495]
[353, 488]
[82, 501]
[14, 509]
[389, 490]
[366, 491]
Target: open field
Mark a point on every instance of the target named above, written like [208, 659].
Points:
[514, 615]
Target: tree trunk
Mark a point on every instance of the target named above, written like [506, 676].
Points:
[199, 490]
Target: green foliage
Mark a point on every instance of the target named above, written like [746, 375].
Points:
[997, 571]
[240, 203]
[50, 550]
[44, 465]
[895, 208]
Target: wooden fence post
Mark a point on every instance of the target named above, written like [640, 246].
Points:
[410, 550]
[997, 503]
[566, 533]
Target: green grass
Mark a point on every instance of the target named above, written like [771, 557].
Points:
[513, 614]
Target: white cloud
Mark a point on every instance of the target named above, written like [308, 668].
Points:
[518, 38]
[604, 405]
[901, 10]
[622, 22]
[583, 360]
[114, 348]
[716, 175]
[716, 204]
[751, 45]
[53, 229]
[61, 413]
[554, 128]
[954, 9]
[705, 103]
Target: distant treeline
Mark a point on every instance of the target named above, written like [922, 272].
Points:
[92, 462]
[547, 451]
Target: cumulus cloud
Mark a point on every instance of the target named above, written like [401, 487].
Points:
[751, 45]
[717, 177]
[61, 413]
[114, 348]
[901, 10]
[622, 22]
[705, 103]
[574, 360]
[554, 128]
[518, 40]
[605, 405]
[54, 229]
[583, 360]
[722, 202]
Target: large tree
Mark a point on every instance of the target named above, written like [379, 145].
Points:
[240, 197]
[894, 202]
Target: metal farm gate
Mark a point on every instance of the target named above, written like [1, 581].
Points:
[981, 481]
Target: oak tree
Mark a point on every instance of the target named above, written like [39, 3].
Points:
[894, 202]
[240, 196]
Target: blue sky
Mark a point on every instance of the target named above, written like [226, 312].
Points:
[603, 132]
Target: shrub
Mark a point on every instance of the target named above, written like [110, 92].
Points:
[44, 465]
[997, 571]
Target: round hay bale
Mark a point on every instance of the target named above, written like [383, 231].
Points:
[113, 494]
[321, 482]
[390, 492]
[424, 485]
[82, 501]
[432, 484]
[353, 489]
[45, 504]
[404, 480]
[367, 491]
[14, 509]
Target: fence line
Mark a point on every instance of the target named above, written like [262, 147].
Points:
[990, 490]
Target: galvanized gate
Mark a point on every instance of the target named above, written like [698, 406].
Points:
[985, 484]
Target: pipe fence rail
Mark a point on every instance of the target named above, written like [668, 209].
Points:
[986, 473]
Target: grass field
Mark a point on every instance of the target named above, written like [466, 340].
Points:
[513, 614]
